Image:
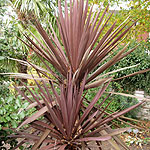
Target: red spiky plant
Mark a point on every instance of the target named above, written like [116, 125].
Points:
[80, 55]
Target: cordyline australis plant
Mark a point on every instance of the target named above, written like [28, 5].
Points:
[68, 120]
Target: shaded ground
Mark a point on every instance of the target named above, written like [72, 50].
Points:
[107, 146]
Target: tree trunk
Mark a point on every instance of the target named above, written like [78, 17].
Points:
[23, 69]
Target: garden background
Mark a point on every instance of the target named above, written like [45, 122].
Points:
[12, 15]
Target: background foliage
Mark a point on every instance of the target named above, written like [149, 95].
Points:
[137, 9]
[11, 47]
[118, 102]
[138, 57]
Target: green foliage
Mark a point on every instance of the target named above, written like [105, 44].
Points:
[138, 57]
[125, 102]
[118, 103]
[140, 10]
[9, 116]
[10, 106]
[42, 8]
[10, 45]
[137, 9]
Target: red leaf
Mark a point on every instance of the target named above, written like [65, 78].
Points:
[34, 116]
[101, 138]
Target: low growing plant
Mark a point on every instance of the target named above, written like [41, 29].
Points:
[10, 104]
[69, 120]
[10, 115]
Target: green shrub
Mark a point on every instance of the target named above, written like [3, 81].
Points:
[141, 57]
[10, 116]
[118, 102]
[10, 106]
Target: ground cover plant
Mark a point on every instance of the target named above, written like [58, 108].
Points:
[10, 105]
[67, 119]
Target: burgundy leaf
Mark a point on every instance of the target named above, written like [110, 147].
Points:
[101, 138]
[62, 147]
[34, 116]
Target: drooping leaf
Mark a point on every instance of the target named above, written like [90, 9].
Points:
[34, 116]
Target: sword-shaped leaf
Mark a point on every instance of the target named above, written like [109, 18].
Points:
[34, 116]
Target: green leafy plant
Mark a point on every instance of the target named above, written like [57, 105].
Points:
[119, 102]
[10, 116]
[140, 57]
[10, 104]
[69, 120]
[9, 111]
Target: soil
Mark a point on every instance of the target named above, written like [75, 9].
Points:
[107, 146]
